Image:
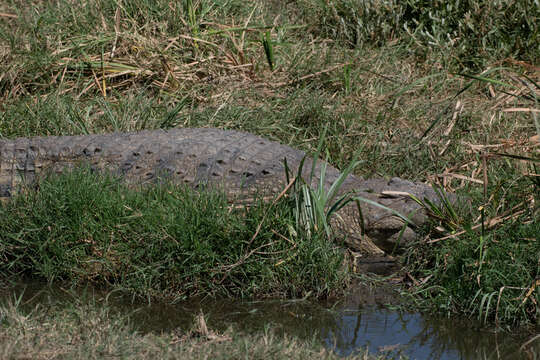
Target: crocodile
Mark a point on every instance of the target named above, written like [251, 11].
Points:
[240, 162]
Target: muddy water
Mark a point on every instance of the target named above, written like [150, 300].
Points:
[343, 327]
[346, 329]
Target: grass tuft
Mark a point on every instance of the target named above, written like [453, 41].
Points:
[492, 278]
[162, 241]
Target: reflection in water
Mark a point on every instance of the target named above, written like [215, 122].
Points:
[420, 337]
[342, 329]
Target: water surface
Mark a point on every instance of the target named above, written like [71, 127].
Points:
[344, 326]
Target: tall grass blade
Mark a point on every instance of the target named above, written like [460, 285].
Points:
[268, 49]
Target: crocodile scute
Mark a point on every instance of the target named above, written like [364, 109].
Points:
[239, 161]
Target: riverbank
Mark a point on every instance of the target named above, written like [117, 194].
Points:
[164, 241]
[347, 327]
[446, 94]
[92, 332]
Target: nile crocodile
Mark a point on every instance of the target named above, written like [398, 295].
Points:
[241, 162]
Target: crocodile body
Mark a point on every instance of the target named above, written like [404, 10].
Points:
[242, 163]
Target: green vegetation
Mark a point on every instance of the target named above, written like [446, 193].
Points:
[443, 92]
[162, 241]
[463, 34]
[477, 275]
[487, 264]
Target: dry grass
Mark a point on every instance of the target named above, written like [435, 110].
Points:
[91, 332]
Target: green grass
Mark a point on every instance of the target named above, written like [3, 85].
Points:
[162, 241]
[472, 32]
[446, 93]
[492, 278]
